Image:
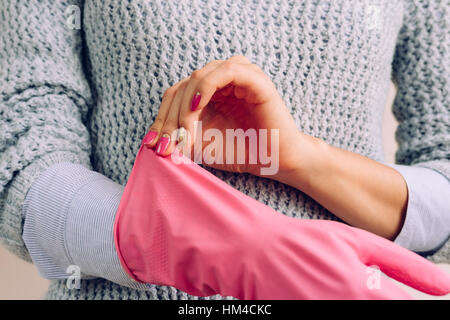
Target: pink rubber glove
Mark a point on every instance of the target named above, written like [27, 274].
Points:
[179, 225]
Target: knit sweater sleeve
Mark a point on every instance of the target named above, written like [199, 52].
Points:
[422, 106]
[44, 102]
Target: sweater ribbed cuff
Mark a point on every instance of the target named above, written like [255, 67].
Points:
[69, 218]
[12, 220]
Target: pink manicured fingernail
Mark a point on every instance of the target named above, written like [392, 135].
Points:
[149, 137]
[162, 144]
[195, 101]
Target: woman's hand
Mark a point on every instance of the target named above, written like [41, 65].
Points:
[235, 94]
[231, 94]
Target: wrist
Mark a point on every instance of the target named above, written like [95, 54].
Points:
[309, 160]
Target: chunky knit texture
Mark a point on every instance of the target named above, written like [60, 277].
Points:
[89, 96]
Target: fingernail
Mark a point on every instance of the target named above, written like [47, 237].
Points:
[149, 137]
[181, 134]
[162, 144]
[195, 101]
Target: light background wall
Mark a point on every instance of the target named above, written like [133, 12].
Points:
[20, 280]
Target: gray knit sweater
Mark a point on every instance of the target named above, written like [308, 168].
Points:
[88, 96]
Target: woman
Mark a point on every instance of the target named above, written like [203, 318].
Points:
[75, 100]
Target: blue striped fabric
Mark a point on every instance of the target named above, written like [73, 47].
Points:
[69, 218]
[427, 222]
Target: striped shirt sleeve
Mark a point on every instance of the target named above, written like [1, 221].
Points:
[69, 215]
[427, 222]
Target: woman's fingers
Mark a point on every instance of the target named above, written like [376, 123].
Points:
[154, 132]
[198, 98]
[167, 139]
[205, 84]
[216, 79]
[246, 79]
[187, 118]
[192, 97]
[160, 132]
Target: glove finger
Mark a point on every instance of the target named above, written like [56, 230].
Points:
[379, 287]
[404, 265]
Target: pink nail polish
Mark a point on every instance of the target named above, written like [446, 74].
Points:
[195, 101]
[149, 137]
[162, 144]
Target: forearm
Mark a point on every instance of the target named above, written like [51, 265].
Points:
[360, 191]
